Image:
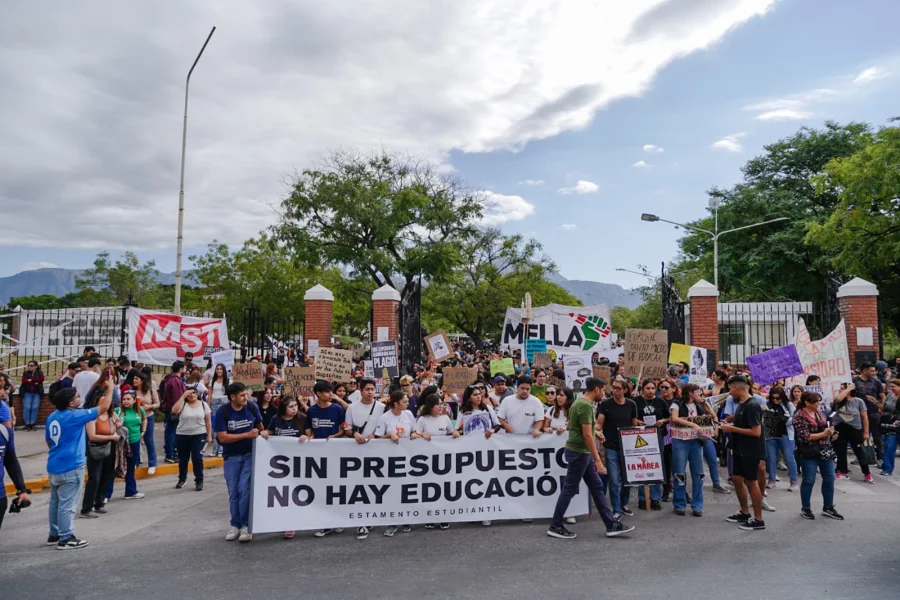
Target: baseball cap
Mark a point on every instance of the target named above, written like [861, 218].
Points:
[499, 378]
[881, 365]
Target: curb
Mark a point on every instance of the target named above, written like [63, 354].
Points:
[39, 484]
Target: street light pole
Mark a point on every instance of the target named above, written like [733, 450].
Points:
[180, 243]
[715, 235]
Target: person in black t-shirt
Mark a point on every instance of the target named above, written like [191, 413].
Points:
[871, 391]
[611, 416]
[748, 446]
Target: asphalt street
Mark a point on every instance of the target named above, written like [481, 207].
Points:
[171, 545]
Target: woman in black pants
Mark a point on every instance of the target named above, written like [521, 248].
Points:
[100, 464]
[852, 425]
[193, 430]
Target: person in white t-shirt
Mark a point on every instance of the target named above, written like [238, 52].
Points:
[395, 424]
[522, 413]
[362, 417]
[85, 380]
[556, 419]
[434, 423]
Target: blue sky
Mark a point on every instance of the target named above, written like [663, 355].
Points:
[800, 63]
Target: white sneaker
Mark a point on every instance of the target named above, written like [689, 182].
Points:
[765, 506]
[486, 523]
[362, 533]
[137, 496]
[570, 520]
[245, 536]
[151, 471]
[232, 534]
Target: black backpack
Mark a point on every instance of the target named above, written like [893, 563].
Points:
[55, 387]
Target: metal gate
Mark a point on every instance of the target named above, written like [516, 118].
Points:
[410, 318]
[672, 309]
[266, 335]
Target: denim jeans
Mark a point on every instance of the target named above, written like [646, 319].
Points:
[237, 471]
[169, 437]
[712, 461]
[133, 460]
[581, 468]
[190, 448]
[618, 493]
[214, 407]
[787, 449]
[149, 441]
[684, 453]
[826, 467]
[890, 452]
[655, 492]
[31, 402]
[64, 490]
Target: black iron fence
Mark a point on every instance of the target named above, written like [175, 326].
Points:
[266, 335]
[748, 328]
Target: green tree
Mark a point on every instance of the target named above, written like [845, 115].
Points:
[496, 272]
[383, 217]
[40, 302]
[773, 262]
[116, 282]
[862, 234]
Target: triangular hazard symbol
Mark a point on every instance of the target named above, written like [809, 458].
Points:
[640, 442]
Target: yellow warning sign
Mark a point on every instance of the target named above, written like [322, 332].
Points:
[640, 442]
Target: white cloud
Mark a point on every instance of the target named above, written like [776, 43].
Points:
[31, 266]
[653, 149]
[532, 182]
[568, 226]
[783, 114]
[499, 208]
[91, 104]
[871, 74]
[581, 187]
[729, 142]
[641, 165]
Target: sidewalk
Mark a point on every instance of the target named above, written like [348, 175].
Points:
[32, 452]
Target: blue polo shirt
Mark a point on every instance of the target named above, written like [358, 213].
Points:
[66, 436]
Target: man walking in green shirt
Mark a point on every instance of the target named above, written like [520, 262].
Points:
[584, 465]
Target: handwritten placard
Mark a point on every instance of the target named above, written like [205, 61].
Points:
[542, 360]
[250, 374]
[775, 364]
[502, 366]
[646, 352]
[457, 379]
[299, 381]
[334, 365]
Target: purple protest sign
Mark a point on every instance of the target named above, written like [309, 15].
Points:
[772, 365]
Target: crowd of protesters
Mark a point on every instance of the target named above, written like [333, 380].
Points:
[105, 409]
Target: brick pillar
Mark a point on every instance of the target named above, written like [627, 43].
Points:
[385, 301]
[859, 308]
[704, 299]
[317, 322]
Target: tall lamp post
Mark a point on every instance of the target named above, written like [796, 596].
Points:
[714, 234]
[187, 85]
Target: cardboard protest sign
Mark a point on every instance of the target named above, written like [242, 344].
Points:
[542, 360]
[646, 352]
[577, 367]
[334, 365]
[532, 346]
[641, 454]
[502, 366]
[368, 369]
[775, 364]
[457, 379]
[299, 381]
[384, 356]
[438, 347]
[250, 374]
[602, 372]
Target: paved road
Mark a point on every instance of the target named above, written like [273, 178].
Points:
[170, 545]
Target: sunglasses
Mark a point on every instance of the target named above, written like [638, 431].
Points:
[551, 393]
[665, 387]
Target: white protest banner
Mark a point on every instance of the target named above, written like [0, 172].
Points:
[566, 328]
[340, 483]
[64, 333]
[829, 358]
[384, 356]
[160, 338]
[577, 367]
[223, 357]
[641, 453]
[313, 348]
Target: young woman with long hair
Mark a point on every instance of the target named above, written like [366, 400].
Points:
[100, 463]
[814, 449]
[288, 422]
[395, 424]
[780, 436]
[265, 401]
[135, 421]
[218, 383]
[557, 415]
[148, 399]
[476, 415]
[688, 452]
[434, 423]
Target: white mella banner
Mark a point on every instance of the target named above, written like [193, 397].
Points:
[160, 338]
[339, 483]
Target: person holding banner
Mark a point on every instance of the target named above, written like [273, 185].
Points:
[583, 464]
[689, 451]
[396, 423]
[433, 422]
[324, 419]
[654, 412]
[748, 446]
[557, 416]
[522, 413]
[236, 425]
[362, 417]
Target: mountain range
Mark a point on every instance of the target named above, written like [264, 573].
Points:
[59, 282]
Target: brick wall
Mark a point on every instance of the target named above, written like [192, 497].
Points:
[44, 410]
[384, 314]
[318, 323]
[860, 311]
[705, 323]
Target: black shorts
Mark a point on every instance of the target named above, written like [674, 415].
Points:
[746, 467]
